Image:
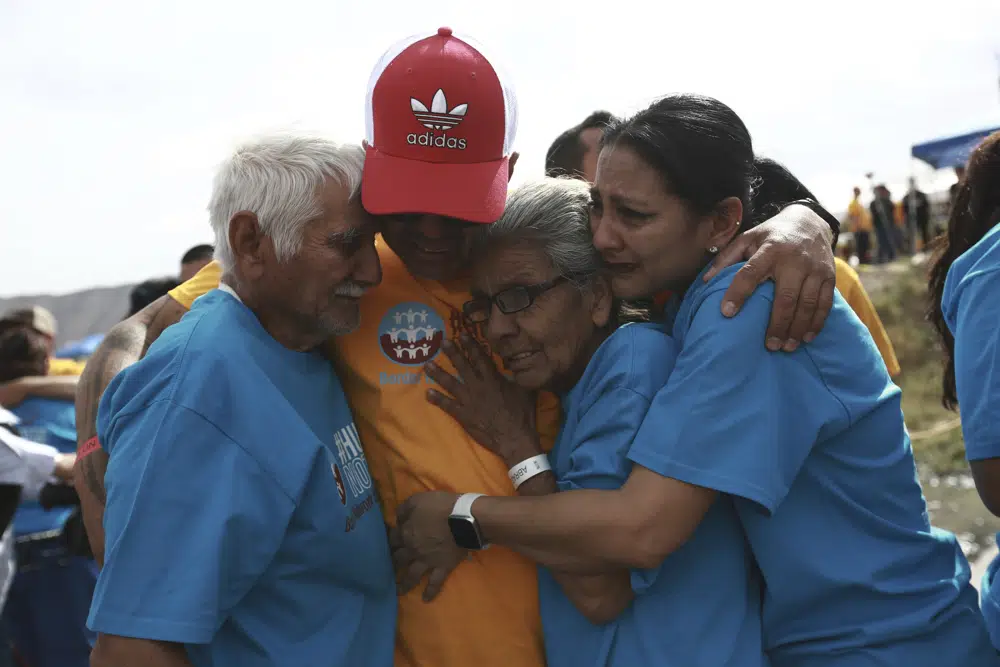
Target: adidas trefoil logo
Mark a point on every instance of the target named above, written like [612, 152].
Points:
[438, 117]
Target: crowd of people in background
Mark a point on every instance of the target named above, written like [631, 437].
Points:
[646, 379]
[887, 229]
[47, 570]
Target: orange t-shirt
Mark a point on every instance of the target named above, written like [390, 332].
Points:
[487, 612]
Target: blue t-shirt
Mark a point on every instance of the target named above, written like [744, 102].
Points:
[813, 448]
[971, 307]
[241, 519]
[702, 605]
[52, 422]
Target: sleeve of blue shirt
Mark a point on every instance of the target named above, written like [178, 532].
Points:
[977, 364]
[733, 416]
[191, 522]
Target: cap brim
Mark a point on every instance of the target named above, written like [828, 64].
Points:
[473, 192]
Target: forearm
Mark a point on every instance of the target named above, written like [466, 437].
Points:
[581, 532]
[113, 651]
[43, 386]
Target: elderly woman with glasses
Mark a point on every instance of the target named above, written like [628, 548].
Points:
[548, 312]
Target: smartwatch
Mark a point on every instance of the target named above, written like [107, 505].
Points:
[464, 528]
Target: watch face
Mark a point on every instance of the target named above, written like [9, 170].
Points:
[465, 532]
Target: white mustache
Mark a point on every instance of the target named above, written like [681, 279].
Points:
[350, 290]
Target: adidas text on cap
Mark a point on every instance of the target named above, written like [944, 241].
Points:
[440, 125]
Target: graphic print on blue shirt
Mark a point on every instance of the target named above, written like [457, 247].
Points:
[971, 307]
[240, 519]
[813, 447]
[702, 605]
[51, 422]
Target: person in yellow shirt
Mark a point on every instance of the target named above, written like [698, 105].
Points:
[850, 287]
[859, 220]
[438, 160]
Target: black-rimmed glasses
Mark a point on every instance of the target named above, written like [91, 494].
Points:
[511, 300]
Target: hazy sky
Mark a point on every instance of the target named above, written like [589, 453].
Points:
[113, 113]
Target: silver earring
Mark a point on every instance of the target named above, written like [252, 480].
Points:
[713, 250]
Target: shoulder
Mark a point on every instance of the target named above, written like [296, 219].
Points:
[186, 355]
[701, 308]
[637, 357]
[977, 270]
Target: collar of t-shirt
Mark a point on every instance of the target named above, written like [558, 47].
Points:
[230, 291]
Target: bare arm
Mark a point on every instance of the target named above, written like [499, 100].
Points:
[123, 346]
[584, 531]
[115, 651]
[592, 531]
[62, 387]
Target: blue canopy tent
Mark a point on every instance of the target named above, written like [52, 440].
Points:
[80, 349]
[951, 152]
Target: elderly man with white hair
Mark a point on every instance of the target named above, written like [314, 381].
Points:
[241, 524]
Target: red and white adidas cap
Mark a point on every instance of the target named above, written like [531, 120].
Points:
[440, 124]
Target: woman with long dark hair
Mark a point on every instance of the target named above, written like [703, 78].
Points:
[809, 446]
[964, 291]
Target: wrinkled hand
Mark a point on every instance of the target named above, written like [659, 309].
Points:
[422, 544]
[795, 249]
[490, 407]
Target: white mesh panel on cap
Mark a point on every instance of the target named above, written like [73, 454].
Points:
[380, 66]
[507, 85]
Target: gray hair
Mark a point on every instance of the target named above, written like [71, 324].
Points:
[277, 177]
[556, 213]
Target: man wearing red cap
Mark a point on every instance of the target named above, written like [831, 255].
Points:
[441, 121]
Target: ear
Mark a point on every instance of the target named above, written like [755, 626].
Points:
[250, 245]
[511, 161]
[601, 302]
[726, 221]
[364, 144]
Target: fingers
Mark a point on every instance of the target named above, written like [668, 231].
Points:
[411, 576]
[395, 537]
[458, 360]
[403, 513]
[448, 404]
[746, 280]
[443, 378]
[435, 580]
[478, 358]
[805, 310]
[739, 249]
[822, 309]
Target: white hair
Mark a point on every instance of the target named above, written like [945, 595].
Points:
[277, 178]
[556, 213]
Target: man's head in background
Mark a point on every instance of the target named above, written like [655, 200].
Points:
[149, 291]
[440, 123]
[194, 260]
[857, 192]
[24, 352]
[37, 319]
[574, 152]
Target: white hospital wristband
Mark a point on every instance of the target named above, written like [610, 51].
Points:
[527, 469]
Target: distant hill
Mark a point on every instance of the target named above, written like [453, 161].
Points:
[81, 313]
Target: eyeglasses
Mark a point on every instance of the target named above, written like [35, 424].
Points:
[512, 300]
